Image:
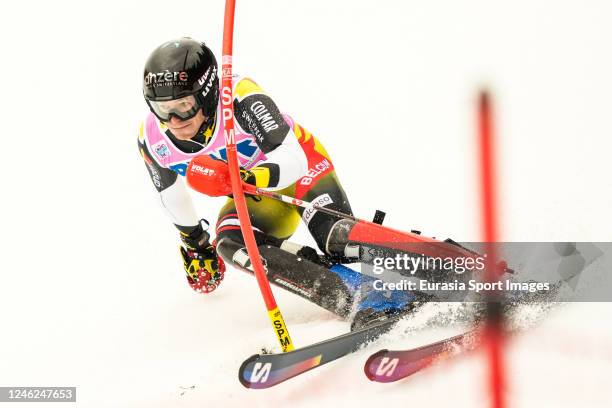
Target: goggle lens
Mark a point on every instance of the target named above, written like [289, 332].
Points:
[183, 108]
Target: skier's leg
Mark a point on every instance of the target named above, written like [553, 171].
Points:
[319, 186]
[273, 222]
[328, 193]
[308, 280]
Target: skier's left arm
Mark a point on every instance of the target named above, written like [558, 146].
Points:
[257, 114]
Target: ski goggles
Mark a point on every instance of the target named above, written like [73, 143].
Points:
[183, 108]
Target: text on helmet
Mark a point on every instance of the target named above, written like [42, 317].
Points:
[163, 78]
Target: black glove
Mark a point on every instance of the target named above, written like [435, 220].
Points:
[248, 177]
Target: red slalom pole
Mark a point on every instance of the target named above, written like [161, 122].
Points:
[227, 98]
[488, 170]
[494, 338]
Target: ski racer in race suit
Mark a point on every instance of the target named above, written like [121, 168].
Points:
[181, 87]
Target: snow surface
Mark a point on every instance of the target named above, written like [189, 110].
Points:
[92, 294]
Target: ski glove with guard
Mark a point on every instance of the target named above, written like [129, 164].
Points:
[204, 268]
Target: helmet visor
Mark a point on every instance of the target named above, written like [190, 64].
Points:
[183, 108]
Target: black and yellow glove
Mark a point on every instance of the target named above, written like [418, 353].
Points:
[260, 176]
[204, 268]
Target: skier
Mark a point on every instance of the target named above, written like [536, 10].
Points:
[181, 88]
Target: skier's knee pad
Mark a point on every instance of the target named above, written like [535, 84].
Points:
[322, 227]
[337, 241]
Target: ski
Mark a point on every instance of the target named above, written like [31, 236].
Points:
[392, 365]
[267, 370]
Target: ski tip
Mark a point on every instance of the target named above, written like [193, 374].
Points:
[245, 370]
[260, 372]
[372, 365]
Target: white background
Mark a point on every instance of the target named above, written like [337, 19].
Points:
[92, 293]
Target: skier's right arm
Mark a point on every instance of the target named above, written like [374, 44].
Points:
[200, 261]
[173, 195]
